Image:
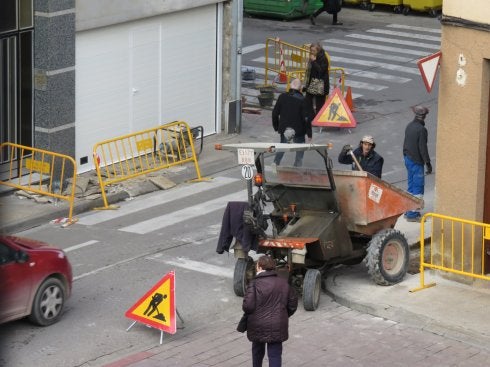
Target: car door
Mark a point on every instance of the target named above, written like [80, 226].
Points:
[15, 283]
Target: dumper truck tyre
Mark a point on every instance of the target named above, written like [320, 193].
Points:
[312, 289]
[244, 271]
[387, 257]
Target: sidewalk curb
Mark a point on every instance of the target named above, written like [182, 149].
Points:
[208, 168]
[404, 316]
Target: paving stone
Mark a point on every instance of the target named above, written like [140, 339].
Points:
[162, 182]
[80, 187]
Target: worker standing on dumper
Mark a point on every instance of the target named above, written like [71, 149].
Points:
[368, 159]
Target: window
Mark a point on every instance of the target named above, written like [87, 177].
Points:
[6, 254]
[16, 75]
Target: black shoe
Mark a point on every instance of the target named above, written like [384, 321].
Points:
[312, 20]
[337, 23]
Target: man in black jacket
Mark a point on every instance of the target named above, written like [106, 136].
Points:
[368, 159]
[331, 7]
[290, 118]
[416, 155]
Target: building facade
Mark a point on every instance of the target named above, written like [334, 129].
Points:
[463, 134]
[74, 73]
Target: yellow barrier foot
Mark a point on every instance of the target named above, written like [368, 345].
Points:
[109, 207]
[423, 287]
[69, 223]
[201, 179]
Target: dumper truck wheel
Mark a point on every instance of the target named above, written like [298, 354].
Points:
[311, 289]
[244, 271]
[387, 257]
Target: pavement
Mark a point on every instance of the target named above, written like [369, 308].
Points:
[450, 310]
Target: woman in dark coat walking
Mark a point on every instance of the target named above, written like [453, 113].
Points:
[269, 302]
[317, 83]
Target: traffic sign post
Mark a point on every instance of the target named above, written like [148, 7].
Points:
[247, 172]
[428, 67]
[157, 307]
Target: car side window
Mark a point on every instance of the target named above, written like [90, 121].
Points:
[6, 254]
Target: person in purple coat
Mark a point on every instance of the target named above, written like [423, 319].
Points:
[269, 302]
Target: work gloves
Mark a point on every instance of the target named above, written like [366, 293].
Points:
[346, 148]
[429, 168]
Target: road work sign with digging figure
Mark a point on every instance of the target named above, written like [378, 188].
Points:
[335, 112]
[157, 307]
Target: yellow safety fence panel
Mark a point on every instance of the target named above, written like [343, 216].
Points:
[40, 171]
[456, 246]
[295, 59]
[142, 152]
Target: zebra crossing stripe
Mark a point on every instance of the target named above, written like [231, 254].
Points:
[183, 215]
[405, 34]
[363, 85]
[375, 64]
[376, 76]
[129, 208]
[414, 28]
[349, 71]
[198, 266]
[375, 55]
[81, 245]
[252, 48]
[394, 40]
[376, 47]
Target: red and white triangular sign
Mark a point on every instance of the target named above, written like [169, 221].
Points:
[428, 68]
[157, 307]
[335, 112]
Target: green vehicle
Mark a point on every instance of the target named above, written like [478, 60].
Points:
[281, 9]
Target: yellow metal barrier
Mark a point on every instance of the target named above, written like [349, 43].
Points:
[456, 246]
[295, 62]
[337, 77]
[146, 151]
[40, 171]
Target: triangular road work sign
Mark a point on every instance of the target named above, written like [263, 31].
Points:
[428, 67]
[335, 112]
[157, 307]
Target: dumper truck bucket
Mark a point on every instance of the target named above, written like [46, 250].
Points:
[369, 204]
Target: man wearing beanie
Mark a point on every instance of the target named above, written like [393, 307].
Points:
[416, 155]
[367, 158]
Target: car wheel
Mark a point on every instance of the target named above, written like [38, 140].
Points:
[311, 289]
[244, 271]
[387, 257]
[48, 302]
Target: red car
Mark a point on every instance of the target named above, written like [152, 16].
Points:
[35, 280]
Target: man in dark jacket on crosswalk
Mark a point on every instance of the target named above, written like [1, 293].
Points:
[291, 119]
[269, 302]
